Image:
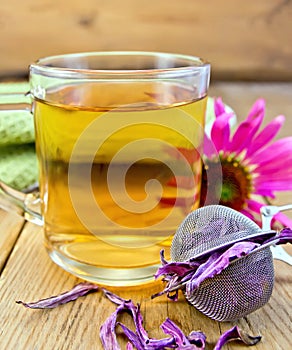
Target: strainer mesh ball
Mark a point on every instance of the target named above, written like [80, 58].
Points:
[244, 285]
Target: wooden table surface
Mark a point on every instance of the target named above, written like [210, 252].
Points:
[28, 274]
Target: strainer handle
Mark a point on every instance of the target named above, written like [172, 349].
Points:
[269, 211]
[231, 242]
[280, 253]
[272, 244]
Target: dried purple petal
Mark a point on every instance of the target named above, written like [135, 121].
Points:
[107, 331]
[138, 321]
[160, 344]
[139, 337]
[188, 275]
[127, 304]
[174, 273]
[133, 337]
[195, 341]
[79, 290]
[179, 269]
[174, 282]
[162, 258]
[198, 338]
[236, 333]
[217, 263]
[169, 327]
[148, 344]
[273, 237]
[129, 346]
[284, 236]
[124, 305]
[115, 298]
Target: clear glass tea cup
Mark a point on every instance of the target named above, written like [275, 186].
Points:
[118, 138]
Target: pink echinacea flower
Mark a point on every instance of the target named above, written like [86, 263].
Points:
[254, 166]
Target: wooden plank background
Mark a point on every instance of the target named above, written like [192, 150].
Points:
[248, 40]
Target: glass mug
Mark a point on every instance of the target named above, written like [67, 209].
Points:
[118, 139]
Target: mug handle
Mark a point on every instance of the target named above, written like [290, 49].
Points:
[26, 205]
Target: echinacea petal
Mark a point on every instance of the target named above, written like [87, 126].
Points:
[266, 135]
[127, 304]
[217, 263]
[129, 346]
[114, 298]
[264, 192]
[210, 149]
[283, 219]
[254, 205]
[236, 333]
[178, 268]
[274, 185]
[250, 156]
[277, 170]
[107, 331]
[219, 107]
[246, 130]
[213, 262]
[257, 109]
[247, 213]
[196, 341]
[283, 237]
[243, 136]
[170, 328]
[197, 338]
[138, 337]
[276, 176]
[277, 150]
[199, 269]
[77, 291]
[220, 132]
[132, 337]
[275, 166]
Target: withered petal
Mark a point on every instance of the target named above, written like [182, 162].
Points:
[236, 333]
[77, 291]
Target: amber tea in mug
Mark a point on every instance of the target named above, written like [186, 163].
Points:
[118, 140]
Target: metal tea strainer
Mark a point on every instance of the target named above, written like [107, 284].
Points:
[246, 284]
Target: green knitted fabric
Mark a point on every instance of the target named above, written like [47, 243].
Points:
[18, 165]
[16, 128]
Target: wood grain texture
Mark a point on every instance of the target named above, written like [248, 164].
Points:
[28, 274]
[10, 227]
[242, 39]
